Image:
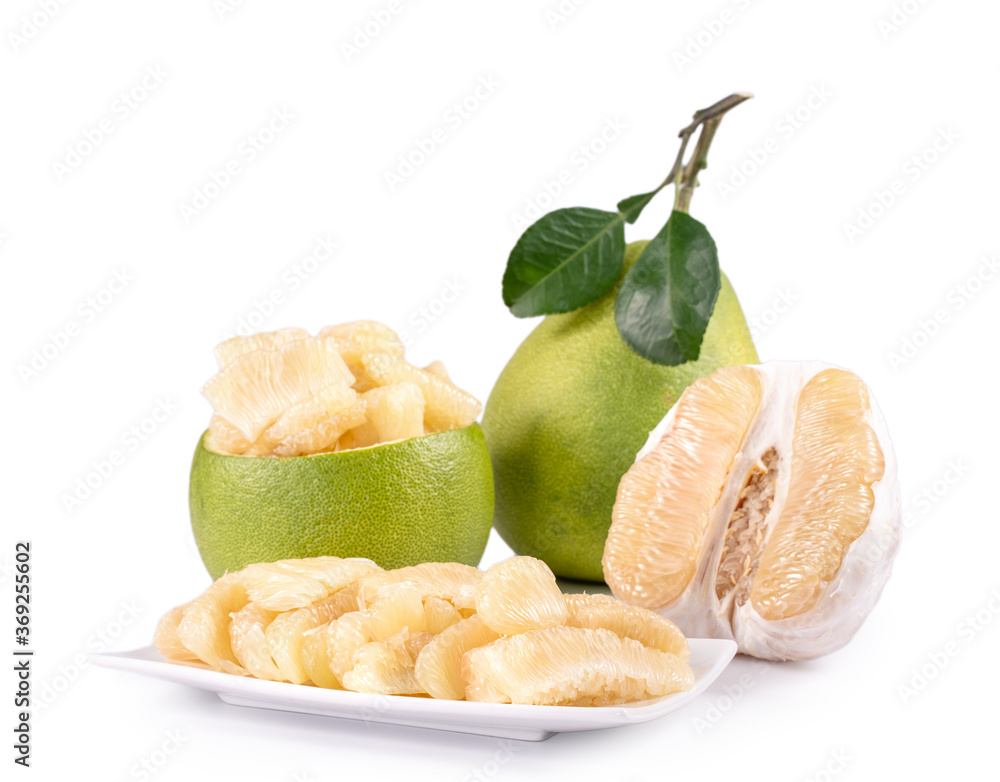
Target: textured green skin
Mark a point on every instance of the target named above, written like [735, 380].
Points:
[567, 416]
[437, 508]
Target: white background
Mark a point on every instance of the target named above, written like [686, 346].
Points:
[889, 92]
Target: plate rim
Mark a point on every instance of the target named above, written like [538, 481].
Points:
[147, 661]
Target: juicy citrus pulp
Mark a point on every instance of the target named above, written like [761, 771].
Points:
[570, 666]
[399, 632]
[285, 393]
[764, 508]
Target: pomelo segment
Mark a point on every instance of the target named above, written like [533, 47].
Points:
[204, 628]
[399, 633]
[391, 413]
[286, 634]
[230, 350]
[355, 339]
[285, 393]
[665, 501]
[764, 508]
[166, 640]
[224, 437]
[625, 621]
[437, 369]
[439, 614]
[328, 651]
[448, 407]
[384, 667]
[294, 583]
[246, 633]
[397, 607]
[433, 579]
[257, 387]
[439, 666]
[836, 460]
[570, 666]
[298, 428]
[520, 594]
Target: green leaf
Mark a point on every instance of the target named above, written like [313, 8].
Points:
[564, 260]
[630, 208]
[668, 295]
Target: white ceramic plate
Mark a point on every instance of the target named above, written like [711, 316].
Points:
[532, 723]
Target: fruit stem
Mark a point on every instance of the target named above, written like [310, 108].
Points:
[685, 176]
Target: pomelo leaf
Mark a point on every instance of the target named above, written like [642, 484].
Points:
[564, 260]
[668, 295]
[630, 208]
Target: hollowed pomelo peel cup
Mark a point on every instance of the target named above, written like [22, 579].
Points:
[427, 498]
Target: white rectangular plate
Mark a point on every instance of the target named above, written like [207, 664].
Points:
[531, 723]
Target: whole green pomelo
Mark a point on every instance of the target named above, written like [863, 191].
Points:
[567, 416]
[426, 499]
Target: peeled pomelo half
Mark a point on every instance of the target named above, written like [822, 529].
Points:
[764, 508]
